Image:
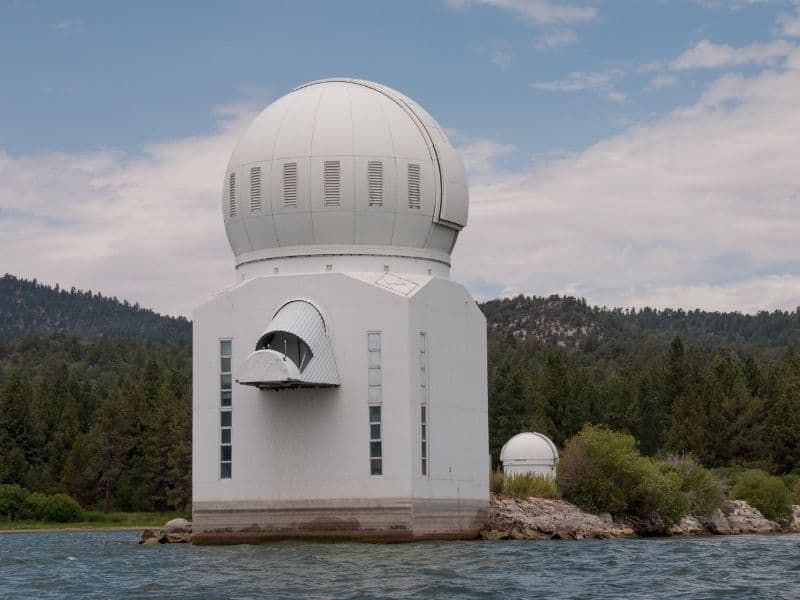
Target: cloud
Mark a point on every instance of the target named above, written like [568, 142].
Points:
[790, 24]
[642, 218]
[708, 55]
[579, 81]
[502, 58]
[147, 228]
[67, 24]
[556, 39]
[537, 12]
[480, 155]
[663, 81]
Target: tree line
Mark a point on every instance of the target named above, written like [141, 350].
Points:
[105, 421]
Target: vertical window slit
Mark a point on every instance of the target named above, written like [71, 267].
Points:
[290, 185]
[375, 182]
[413, 187]
[232, 194]
[331, 182]
[255, 188]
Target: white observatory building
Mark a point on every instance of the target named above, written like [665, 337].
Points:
[529, 453]
[340, 385]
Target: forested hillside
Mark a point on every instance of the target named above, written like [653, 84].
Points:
[104, 412]
[29, 307]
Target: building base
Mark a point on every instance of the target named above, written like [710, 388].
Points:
[375, 520]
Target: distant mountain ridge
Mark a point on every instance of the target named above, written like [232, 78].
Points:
[570, 322]
[29, 307]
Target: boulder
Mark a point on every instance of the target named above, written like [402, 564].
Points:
[538, 518]
[744, 518]
[152, 536]
[688, 526]
[176, 531]
[718, 523]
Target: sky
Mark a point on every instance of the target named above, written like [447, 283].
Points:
[630, 152]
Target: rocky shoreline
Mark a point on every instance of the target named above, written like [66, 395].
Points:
[541, 518]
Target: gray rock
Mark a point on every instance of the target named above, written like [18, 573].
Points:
[688, 526]
[794, 522]
[744, 518]
[719, 523]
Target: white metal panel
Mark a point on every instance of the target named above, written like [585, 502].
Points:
[256, 144]
[332, 134]
[411, 229]
[333, 226]
[261, 231]
[371, 132]
[373, 227]
[294, 229]
[294, 136]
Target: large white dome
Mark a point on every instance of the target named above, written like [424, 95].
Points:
[343, 166]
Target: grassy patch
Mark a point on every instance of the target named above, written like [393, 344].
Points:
[98, 520]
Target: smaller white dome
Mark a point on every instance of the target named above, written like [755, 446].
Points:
[529, 449]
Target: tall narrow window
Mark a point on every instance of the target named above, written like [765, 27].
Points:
[375, 182]
[255, 188]
[413, 187]
[290, 185]
[331, 182]
[375, 420]
[423, 403]
[225, 414]
[232, 194]
[375, 441]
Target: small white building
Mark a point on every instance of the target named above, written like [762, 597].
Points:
[340, 384]
[531, 453]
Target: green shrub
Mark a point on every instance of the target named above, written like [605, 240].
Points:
[765, 492]
[496, 481]
[527, 485]
[704, 491]
[12, 501]
[602, 470]
[33, 508]
[61, 509]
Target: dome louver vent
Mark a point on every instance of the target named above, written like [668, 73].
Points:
[375, 182]
[413, 187]
[232, 195]
[332, 179]
[255, 188]
[290, 185]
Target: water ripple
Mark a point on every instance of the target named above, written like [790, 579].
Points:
[112, 565]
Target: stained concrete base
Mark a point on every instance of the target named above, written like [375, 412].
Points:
[376, 520]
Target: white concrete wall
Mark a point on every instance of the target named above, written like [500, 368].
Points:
[314, 443]
[459, 463]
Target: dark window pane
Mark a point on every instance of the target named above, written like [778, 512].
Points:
[225, 348]
[376, 466]
[225, 418]
[225, 453]
[374, 414]
[225, 470]
[424, 467]
[424, 432]
[225, 364]
[226, 397]
[424, 448]
[423, 413]
[374, 449]
[375, 431]
[225, 381]
[226, 436]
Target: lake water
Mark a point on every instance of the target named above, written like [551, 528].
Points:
[112, 565]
